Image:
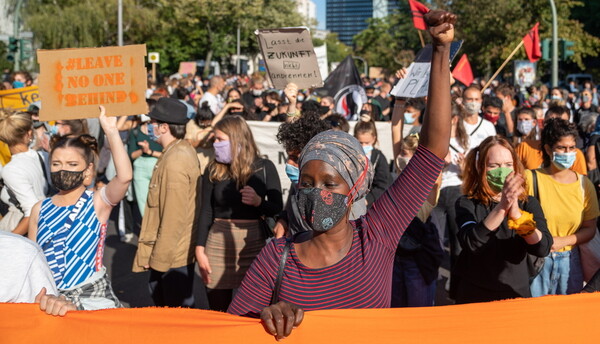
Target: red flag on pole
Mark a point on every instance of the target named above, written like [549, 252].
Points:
[463, 72]
[418, 10]
[532, 44]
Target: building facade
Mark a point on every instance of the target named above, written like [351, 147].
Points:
[349, 17]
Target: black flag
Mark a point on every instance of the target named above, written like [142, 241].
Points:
[344, 85]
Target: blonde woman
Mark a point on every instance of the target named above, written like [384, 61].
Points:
[24, 180]
[238, 189]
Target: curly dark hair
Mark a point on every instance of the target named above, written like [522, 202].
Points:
[295, 135]
[554, 130]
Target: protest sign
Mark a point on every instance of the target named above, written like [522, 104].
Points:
[74, 82]
[19, 99]
[187, 68]
[416, 82]
[290, 57]
[524, 73]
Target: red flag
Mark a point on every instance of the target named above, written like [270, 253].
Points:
[532, 44]
[418, 10]
[463, 72]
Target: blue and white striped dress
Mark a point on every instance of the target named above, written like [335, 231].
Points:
[73, 257]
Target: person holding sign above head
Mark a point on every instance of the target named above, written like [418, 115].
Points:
[70, 227]
[343, 263]
[168, 226]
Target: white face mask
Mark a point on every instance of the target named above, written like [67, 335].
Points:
[472, 107]
[401, 162]
[525, 127]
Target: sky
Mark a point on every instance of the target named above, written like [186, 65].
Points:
[321, 7]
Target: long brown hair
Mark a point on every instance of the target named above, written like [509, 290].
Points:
[475, 183]
[462, 137]
[243, 152]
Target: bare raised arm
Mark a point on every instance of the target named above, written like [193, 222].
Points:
[435, 133]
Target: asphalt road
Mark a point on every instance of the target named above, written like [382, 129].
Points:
[132, 288]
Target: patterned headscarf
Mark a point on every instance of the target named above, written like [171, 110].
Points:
[345, 154]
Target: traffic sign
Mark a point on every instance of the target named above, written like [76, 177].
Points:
[153, 57]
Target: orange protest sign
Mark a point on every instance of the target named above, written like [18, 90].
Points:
[19, 99]
[73, 82]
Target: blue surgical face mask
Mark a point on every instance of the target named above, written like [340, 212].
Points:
[368, 150]
[300, 98]
[556, 98]
[18, 84]
[408, 118]
[292, 172]
[152, 128]
[53, 130]
[562, 161]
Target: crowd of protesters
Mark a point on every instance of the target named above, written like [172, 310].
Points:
[506, 178]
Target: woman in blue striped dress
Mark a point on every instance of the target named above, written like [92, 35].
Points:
[71, 226]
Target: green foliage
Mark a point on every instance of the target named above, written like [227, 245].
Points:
[389, 42]
[492, 29]
[336, 50]
[184, 30]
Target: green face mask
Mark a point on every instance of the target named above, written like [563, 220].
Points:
[497, 177]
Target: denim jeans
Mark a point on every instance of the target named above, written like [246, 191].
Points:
[408, 286]
[561, 275]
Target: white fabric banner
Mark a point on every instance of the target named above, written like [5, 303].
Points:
[265, 135]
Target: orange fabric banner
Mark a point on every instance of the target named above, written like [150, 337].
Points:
[550, 319]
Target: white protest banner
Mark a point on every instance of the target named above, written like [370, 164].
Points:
[321, 53]
[73, 82]
[416, 82]
[289, 56]
[265, 137]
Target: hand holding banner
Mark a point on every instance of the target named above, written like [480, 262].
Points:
[73, 82]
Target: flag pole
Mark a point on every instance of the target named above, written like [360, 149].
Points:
[421, 37]
[503, 65]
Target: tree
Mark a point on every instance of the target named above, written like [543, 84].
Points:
[74, 24]
[389, 42]
[492, 29]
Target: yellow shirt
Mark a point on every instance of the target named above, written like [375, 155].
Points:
[564, 205]
[4, 153]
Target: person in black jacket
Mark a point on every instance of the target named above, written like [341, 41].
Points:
[499, 225]
[366, 133]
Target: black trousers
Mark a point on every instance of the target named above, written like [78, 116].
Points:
[173, 288]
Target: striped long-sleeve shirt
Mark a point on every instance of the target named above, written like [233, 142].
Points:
[362, 279]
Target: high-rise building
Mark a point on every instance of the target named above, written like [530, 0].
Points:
[349, 17]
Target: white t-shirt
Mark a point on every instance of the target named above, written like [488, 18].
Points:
[450, 173]
[485, 130]
[23, 269]
[214, 102]
[25, 177]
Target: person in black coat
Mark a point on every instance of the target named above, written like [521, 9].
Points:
[499, 226]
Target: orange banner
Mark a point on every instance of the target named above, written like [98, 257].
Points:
[73, 82]
[550, 319]
[19, 99]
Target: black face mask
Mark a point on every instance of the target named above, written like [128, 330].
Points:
[365, 112]
[239, 113]
[67, 180]
[270, 106]
[323, 109]
[319, 209]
